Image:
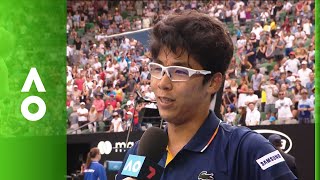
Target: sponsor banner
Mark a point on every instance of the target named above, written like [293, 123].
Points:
[297, 140]
[32, 89]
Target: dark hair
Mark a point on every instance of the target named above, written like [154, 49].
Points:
[92, 154]
[204, 38]
[258, 70]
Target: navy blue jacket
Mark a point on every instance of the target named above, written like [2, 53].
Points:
[235, 153]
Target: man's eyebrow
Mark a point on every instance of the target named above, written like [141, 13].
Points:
[177, 63]
[157, 61]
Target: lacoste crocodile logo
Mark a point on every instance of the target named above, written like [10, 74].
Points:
[205, 176]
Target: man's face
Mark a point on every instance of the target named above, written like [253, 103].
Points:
[311, 76]
[281, 95]
[251, 106]
[178, 102]
[251, 91]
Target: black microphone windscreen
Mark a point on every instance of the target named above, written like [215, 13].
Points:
[153, 144]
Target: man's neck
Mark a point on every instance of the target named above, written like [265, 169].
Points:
[180, 135]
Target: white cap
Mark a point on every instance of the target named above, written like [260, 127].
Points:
[82, 103]
[304, 62]
[130, 113]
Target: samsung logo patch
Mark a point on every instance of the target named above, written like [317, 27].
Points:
[285, 139]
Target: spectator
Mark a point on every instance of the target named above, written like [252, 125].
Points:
[251, 98]
[230, 116]
[292, 64]
[256, 81]
[116, 123]
[304, 73]
[92, 117]
[271, 93]
[252, 116]
[305, 107]
[82, 115]
[284, 106]
[310, 84]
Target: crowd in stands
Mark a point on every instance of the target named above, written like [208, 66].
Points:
[270, 79]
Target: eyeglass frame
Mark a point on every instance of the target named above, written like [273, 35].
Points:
[191, 72]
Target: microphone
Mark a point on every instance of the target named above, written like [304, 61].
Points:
[152, 147]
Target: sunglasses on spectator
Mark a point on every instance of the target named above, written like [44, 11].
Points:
[175, 73]
[281, 94]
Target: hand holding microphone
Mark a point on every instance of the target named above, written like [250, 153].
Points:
[144, 165]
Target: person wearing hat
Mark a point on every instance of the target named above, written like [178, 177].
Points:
[82, 115]
[305, 107]
[292, 64]
[304, 73]
[116, 123]
[76, 92]
[275, 140]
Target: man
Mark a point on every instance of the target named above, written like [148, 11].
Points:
[251, 97]
[310, 84]
[305, 107]
[304, 73]
[253, 115]
[191, 53]
[82, 115]
[290, 40]
[275, 140]
[271, 92]
[256, 80]
[279, 48]
[284, 106]
[229, 97]
[292, 64]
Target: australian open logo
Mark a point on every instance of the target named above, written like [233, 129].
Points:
[204, 175]
[286, 141]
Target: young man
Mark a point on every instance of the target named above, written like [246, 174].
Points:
[284, 105]
[191, 53]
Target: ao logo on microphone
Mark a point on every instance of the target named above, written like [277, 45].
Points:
[106, 147]
[285, 139]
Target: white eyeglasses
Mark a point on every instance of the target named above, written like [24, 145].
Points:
[175, 73]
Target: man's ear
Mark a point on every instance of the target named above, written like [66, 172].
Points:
[215, 83]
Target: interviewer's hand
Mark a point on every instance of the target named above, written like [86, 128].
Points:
[129, 178]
